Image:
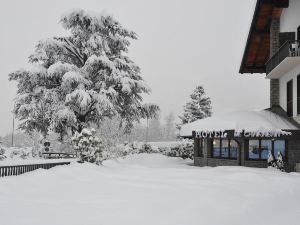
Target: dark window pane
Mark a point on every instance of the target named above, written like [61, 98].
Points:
[266, 146]
[289, 92]
[225, 148]
[279, 146]
[233, 149]
[216, 147]
[253, 149]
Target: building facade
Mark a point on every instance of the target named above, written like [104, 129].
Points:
[272, 49]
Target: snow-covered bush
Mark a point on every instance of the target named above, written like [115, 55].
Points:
[2, 153]
[271, 160]
[280, 163]
[146, 148]
[17, 153]
[87, 146]
[184, 149]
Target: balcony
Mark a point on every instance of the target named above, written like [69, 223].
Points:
[285, 59]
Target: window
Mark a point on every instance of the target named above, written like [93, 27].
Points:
[234, 146]
[289, 98]
[253, 149]
[279, 146]
[266, 146]
[216, 147]
[224, 148]
[259, 149]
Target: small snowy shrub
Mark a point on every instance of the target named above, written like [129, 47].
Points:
[271, 160]
[20, 153]
[87, 146]
[2, 153]
[113, 152]
[130, 148]
[185, 150]
[147, 148]
[278, 164]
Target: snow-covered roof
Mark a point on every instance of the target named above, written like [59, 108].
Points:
[248, 121]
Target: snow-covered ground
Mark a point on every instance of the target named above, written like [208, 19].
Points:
[150, 189]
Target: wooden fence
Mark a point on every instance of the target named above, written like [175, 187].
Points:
[20, 169]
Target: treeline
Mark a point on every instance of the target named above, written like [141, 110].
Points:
[159, 129]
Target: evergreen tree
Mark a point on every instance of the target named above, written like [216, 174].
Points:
[80, 79]
[198, 108]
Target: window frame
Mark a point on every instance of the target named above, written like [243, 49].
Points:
[285, 157]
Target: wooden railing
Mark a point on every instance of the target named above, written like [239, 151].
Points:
[288, 49]
[20, 169]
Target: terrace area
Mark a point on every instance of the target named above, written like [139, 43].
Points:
[285, 59]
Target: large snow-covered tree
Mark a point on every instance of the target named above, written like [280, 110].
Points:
[198, 107]
[81, 78]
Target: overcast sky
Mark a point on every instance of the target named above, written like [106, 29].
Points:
[182, 43]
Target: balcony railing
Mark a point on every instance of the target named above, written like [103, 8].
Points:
[288, 49]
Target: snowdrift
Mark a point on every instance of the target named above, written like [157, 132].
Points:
[150, 189]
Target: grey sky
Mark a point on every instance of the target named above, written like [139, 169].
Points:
[182, 43]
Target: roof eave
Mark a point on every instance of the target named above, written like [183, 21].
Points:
[277, 4]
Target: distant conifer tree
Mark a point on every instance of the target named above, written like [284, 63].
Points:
[198, 107]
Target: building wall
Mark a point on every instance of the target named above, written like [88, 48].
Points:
[274, 46]
[293, 154]
[291, 75]
[254, 163]
[290, 18]
[201, 161]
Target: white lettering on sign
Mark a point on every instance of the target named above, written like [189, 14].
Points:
[245, 134]
[257, 134]
[211, 134]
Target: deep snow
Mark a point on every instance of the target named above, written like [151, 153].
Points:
[150, 189]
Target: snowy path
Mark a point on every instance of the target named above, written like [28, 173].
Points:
[150, 189]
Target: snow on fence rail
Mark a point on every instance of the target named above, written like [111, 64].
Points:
[16, 170]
